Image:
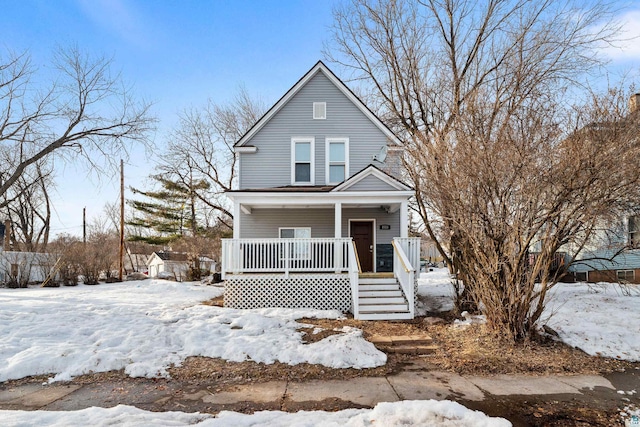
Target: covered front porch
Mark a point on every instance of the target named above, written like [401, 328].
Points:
[321, 273]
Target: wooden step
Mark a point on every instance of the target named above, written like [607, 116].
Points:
[400, 340]
[389, 293]
[383, 308]
[376, 275]
[385, 316]
[381, 281]
[410, 349]
[404, 344]
[380, 287]
[378, 300]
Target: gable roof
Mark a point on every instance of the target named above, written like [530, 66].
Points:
[318, 68]
[372, 170]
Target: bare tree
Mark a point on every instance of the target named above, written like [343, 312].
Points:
[506, 173]
[201, 149]
[28, 207]
[85, 112]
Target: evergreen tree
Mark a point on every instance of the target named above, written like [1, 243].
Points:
[167, 214]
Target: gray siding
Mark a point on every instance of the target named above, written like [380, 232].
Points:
[371, 183]
[599, 260]
[270, 166]
[265, 223]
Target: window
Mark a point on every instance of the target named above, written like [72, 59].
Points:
[633, 230]
[319, 110]
[296, 250]
[302, 165]
[295, 233]
[581, 276]
[625, 275]
[337, 155]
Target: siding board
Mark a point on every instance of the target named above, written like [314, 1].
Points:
[270, 166]
[265, 223]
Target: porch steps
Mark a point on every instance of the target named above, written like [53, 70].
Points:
[381, 298]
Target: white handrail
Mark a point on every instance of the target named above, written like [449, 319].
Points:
[405, 272]
[353, 279]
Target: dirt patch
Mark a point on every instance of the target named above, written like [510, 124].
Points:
[215, 302]
[473, 350]
[226, 374]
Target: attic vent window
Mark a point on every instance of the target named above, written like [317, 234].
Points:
[319, 110]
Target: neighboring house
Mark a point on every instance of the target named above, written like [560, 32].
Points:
[320, 201]
[614, 256]
[26, 267]
[608, 265]
[175, 264]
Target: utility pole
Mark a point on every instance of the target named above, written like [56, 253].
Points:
[84, 225]
[121, 220]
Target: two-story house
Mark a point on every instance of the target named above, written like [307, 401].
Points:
[320, 214]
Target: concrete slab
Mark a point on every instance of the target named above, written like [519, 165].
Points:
[434, 385]
[107, 395]
[366, 391]
[582, 382]
[503, 385]
[262, 393]
[44, 396]
[13, 393]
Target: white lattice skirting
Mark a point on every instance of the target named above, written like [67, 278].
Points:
[318, 291]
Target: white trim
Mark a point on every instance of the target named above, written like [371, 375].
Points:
[375, 237]
[319, 67]
[327, 160]
[281, 199]
[371, 171]
[319, 107]
[312, 159]
[246, 149]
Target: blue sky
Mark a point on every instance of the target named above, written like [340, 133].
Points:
[177, 54]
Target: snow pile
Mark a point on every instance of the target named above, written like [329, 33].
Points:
[146, 326]
[427, 413]
[600, 320]
[436, 290]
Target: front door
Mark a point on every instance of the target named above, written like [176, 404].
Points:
[362, 234]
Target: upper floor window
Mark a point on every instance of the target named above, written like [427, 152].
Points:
[337, 155]
[634, 233]
[302, 161]
[319, 110]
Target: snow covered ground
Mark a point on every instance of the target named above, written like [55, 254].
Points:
[599, 319]
[424, 413]
[146, 326]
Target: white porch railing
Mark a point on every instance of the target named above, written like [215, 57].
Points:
[285, 255]
[354, 271]
[406, 259]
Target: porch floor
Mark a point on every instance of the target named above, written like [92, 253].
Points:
[376, 275]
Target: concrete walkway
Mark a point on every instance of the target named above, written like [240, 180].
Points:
[414, 382]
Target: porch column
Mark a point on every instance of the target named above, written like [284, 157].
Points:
[338, 220]
[236, 219]
[404, 219]
[337, 226]
[234, 254]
